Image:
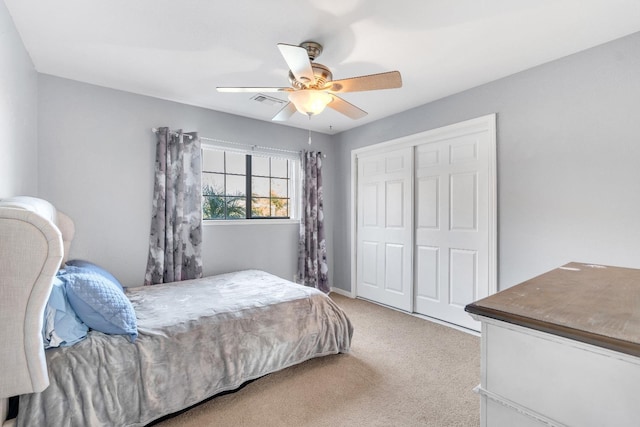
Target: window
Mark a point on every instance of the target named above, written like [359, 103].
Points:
[239, 184]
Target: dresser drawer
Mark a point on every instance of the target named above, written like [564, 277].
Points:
[566, 381]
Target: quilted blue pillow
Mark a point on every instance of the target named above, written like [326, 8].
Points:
[98, 302]
[96, 269]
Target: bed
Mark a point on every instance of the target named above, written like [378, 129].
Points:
[195, 339]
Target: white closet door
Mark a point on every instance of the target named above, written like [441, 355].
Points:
[452, 215]
[384, 228]
[425, 220]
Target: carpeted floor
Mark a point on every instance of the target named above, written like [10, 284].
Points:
[402, 371]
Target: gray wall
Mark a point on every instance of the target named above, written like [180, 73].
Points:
[97, 156]
[568, 156]
[568, 161]
[18, 109]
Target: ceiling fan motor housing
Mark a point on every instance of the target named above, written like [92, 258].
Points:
[322, 76]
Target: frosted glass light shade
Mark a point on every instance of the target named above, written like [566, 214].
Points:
[310, 102]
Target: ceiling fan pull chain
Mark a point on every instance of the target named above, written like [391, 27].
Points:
[309, 131]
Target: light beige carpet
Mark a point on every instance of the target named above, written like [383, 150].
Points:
[402, 371]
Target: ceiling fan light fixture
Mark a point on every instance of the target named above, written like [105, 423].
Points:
[310, 102]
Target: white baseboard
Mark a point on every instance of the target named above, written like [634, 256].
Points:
[342, 292]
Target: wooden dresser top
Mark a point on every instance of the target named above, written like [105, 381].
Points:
[595, 304]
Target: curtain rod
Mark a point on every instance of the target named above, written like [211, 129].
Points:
[252, 147]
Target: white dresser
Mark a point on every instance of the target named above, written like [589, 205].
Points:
[562, 349]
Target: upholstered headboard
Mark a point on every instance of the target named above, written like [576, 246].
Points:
[34, 238]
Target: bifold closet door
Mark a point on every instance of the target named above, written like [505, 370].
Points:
[385, 228]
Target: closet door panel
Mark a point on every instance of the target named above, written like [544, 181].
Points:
[384, 221]
[451, 203]
[427, 266]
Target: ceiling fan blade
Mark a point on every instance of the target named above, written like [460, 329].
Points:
[346, 108]
[297, 58]
[388, 80]
[285, 112]
[253, 89]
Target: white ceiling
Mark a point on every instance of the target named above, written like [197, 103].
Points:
[181, 50]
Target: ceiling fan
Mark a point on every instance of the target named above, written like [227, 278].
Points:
[312, 88]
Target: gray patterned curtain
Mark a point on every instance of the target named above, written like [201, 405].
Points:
[312, 249]
[176, 224]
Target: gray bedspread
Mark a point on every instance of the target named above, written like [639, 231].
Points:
[197, 339]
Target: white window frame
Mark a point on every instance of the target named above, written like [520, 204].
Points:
[295, 199]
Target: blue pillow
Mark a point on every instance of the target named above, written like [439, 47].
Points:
[61, 325]
[100, 303]
[95, 268]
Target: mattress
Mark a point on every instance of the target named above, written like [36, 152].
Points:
[197, 338]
